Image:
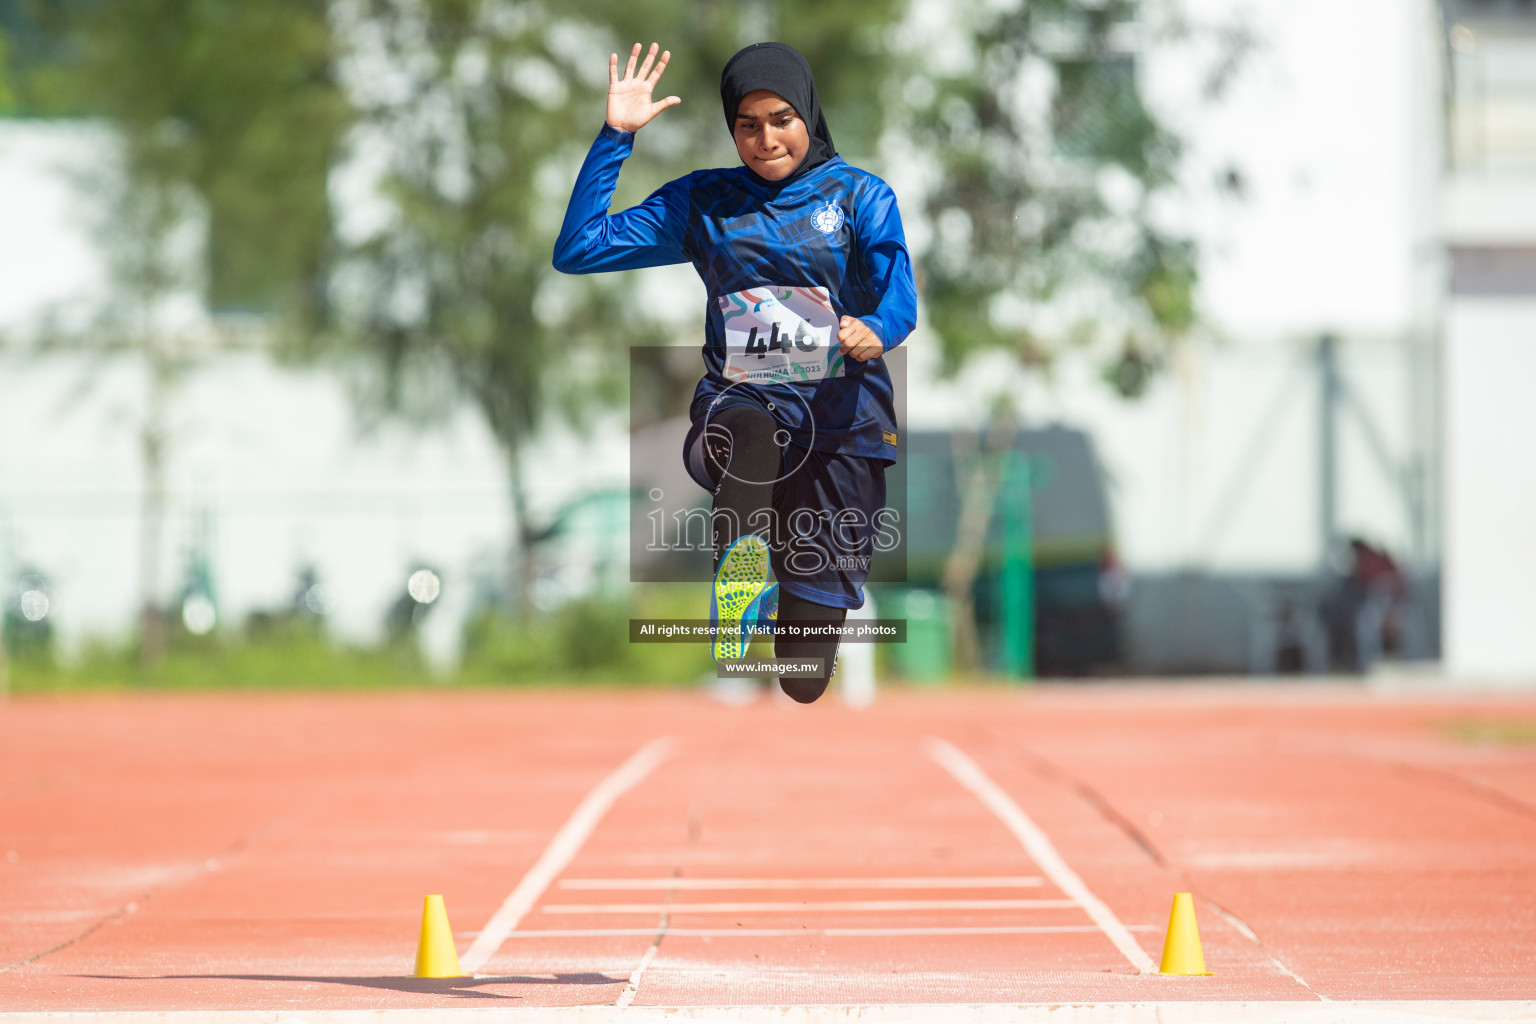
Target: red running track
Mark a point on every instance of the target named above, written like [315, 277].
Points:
[272, 851]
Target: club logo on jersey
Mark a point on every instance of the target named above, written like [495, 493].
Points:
[828, 218]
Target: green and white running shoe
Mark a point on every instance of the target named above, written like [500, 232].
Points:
[763, 614]
[739, 583]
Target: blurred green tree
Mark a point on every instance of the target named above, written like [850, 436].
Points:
[232, 104]
[480, 112]
[225, 119]
[1049, 171]
[7, 92]
[1050, 168]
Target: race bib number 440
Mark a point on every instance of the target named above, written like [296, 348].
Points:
[780, 335]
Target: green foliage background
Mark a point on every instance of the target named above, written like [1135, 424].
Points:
[584, 642]
[233, 104]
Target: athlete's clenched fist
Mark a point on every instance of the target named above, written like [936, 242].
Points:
[856, 339]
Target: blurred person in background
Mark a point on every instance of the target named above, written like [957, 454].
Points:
[791, 433]
[1365, 607]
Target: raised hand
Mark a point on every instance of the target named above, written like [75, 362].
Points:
[629, 98]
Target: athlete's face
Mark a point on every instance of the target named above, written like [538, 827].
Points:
[770, 136]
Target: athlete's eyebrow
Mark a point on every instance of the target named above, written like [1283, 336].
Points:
[786, 109]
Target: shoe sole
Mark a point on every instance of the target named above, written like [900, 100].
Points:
[739, 581]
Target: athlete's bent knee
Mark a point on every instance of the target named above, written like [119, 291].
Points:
[744, 417]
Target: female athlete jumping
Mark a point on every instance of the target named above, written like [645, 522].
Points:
[809, 285]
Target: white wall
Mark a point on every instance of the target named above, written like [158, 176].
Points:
[288, 474]
[49, 266]
[278, 457]
[1490, 456]
[1216, 466]
[273, 457]
[1489, 366]
[1326, 122]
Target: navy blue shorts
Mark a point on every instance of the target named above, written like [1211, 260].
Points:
[829, 518]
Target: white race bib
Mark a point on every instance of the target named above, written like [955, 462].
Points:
[780, 335]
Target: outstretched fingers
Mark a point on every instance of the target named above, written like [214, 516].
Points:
[630, 106]
[661, 65]
[650, 58]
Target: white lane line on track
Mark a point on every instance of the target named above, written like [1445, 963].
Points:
[1248, 933]
[1039, 847]
[716, 933]
[561, 849]
[631, 884]
[633, 988]
[851, 906]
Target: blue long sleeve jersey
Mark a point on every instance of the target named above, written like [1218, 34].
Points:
[781, 265]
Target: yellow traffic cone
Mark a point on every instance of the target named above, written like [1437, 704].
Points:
[1181, 949]
[435, 955]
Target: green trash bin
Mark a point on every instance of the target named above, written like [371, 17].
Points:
[928, 654]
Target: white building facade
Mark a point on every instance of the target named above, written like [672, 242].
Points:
[1489, 367]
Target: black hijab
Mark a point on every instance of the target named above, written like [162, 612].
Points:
[783, 70]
